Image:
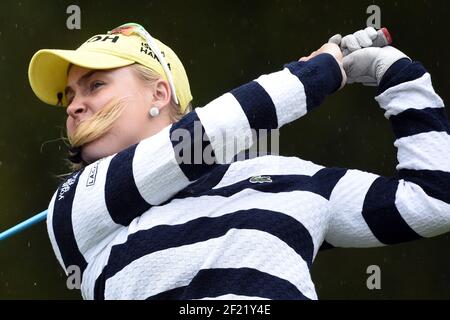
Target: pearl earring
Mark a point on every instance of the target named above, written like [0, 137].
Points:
[154, 111]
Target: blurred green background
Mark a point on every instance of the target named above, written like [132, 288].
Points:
[223, 44]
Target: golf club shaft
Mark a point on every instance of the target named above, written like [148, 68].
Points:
[23, 225]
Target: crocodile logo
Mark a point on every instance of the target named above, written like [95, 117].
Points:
[260, 179]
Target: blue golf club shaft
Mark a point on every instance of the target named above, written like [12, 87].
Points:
[23, 225]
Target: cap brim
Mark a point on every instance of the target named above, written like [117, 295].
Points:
[48, 70]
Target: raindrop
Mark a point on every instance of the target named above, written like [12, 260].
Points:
[35, 284]
[1, 163]
[29, 244]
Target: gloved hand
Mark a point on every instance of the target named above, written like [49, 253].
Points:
[368, 65]
[358, 40]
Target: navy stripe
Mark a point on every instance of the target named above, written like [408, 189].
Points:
[124, 203]
[327, 178]
[322, 183]
[320, 77]
[162, 237]
[204, 184]
[382, 216]
[401, 71]
[62, 223]
[191, 143]
[436, 183]
[257, 106]
[412, 122]
[243, 281]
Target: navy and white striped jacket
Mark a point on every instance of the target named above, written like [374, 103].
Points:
[142, 226]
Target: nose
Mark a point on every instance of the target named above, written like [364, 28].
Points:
[76, 109]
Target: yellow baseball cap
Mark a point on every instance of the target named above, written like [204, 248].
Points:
[123, 46]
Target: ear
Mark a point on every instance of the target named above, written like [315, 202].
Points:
[162, 94]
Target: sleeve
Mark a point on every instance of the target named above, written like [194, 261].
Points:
[92, 204]
[368, 210]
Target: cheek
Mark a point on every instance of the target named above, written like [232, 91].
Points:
[130, 125]
[70, 126]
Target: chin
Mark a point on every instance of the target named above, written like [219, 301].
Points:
[96, 150]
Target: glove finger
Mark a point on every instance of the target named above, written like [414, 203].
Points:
[347, 64]
[371, 32]
[337, 38]
[350, 42]
[363, 39]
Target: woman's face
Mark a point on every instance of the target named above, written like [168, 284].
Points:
[88, 91]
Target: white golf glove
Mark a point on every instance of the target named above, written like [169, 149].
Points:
[368, 65]
[369, 37]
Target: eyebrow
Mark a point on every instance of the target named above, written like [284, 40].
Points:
[83, 79]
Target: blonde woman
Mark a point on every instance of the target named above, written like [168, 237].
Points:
[143, 218]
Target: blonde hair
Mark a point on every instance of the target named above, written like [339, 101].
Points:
[95, 127]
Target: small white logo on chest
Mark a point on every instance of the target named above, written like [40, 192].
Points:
[67, 185]
[92, 175]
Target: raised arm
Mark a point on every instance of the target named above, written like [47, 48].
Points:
[368, 210]
[108, 194]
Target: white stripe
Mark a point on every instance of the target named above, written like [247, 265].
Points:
[227, 127]
[287, 93]
[155, 168]
[95, 268]
[347, 226]
[417, 94]
[267, 165]
[176, 267]
[427, 216]
[313, 214]
[310, 209]
[424, 151]
[92, 223]
[51, 233]
[233, 297]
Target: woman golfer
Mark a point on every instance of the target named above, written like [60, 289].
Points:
[144, 217]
